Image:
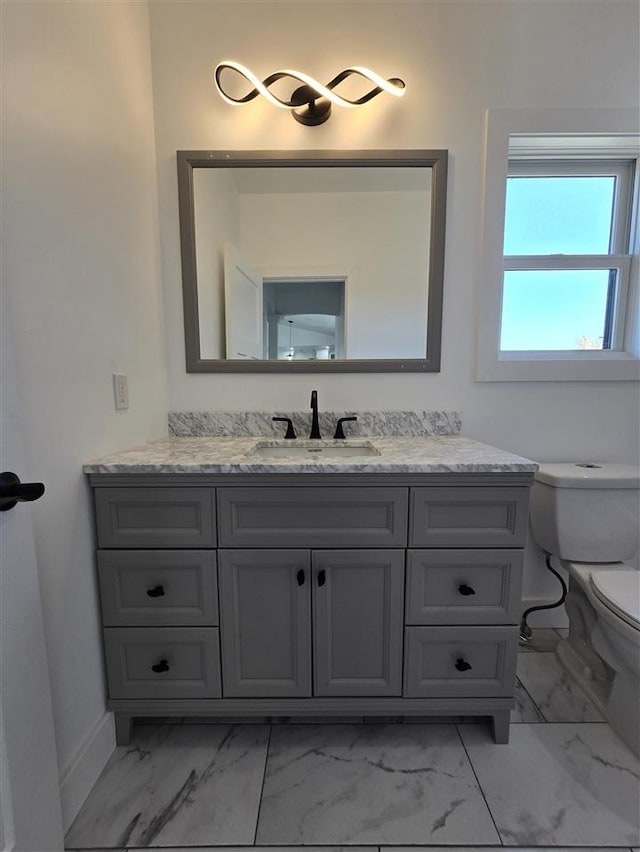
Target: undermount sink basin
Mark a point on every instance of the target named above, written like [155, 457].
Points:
[310, 450]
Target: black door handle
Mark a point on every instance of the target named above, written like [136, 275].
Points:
[156, 592]
[300, 577]
[12, 491]
[465, 590]
[462, 665]
[322, 577]
[162, 666]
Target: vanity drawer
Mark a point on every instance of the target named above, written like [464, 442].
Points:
[158, 587]
[155, 517]
[163, 662]
[474, 516]
[472, 662]
[312, 517]
[463, 586]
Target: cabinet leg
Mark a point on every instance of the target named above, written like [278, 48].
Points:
[124, 724]
[500, 726]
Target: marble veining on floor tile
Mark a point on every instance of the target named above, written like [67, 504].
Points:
[562, 784]
[185, 784]
[502, 849]
[525, 709]
[556, 693]
[267, 849]
[361, 784]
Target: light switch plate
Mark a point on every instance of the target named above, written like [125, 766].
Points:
[121, 390]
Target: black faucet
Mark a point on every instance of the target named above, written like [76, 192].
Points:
[339, 435]
[291, 433]
[315, 426]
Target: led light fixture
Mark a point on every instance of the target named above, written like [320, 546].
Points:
[310, 102]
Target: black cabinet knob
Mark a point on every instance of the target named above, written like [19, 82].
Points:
[462, 665]
[162, 666]
[322, 577]
[156, 592]
[465, 590]
[12, 491]
[300, 577]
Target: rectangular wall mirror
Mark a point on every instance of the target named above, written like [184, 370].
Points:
[311, 261]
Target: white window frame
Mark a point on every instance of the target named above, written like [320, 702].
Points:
[555, 135]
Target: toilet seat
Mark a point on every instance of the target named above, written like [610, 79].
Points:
[619, 591]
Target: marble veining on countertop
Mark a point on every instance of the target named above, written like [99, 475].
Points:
[259, 424]
[440, 454]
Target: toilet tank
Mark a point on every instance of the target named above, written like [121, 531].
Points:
[587, 512]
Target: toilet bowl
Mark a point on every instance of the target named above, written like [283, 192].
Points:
[587, 516]
[602, 651]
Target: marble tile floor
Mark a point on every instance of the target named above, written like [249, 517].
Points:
[565, 781]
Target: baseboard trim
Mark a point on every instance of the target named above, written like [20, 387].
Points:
[546, 617]
[82, 772]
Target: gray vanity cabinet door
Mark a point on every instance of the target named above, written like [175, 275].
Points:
[358, 600]
[265, 623]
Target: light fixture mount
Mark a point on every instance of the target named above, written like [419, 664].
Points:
[310, 102]
[312, 108]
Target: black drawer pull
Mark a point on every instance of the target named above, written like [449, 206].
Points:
[465, 590]
[322, 577]
[156, 592]
[162, 666]
[300, 577]
[462, 665]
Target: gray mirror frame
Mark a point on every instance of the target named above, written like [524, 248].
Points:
[187, 161]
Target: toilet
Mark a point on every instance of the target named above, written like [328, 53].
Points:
[588, 517]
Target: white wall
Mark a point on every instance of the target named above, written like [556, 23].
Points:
[458, 59]
[216, 220]
[81, 266]
[380, 240]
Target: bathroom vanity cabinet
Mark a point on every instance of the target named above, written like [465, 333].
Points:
[311, 594]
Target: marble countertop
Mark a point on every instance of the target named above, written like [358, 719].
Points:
[428, 454]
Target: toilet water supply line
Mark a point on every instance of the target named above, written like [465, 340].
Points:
[525, 630]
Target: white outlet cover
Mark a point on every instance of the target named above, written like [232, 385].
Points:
[120, 390]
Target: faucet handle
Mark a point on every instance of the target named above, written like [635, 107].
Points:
[339, 430]
[290, 430]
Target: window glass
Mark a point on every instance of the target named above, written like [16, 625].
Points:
[559, 215]
[555, 309]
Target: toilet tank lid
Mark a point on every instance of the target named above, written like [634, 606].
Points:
[588, 475]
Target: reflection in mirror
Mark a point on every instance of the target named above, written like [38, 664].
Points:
[304, 318]
[289, 266]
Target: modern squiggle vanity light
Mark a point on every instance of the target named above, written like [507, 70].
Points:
[310, 103]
